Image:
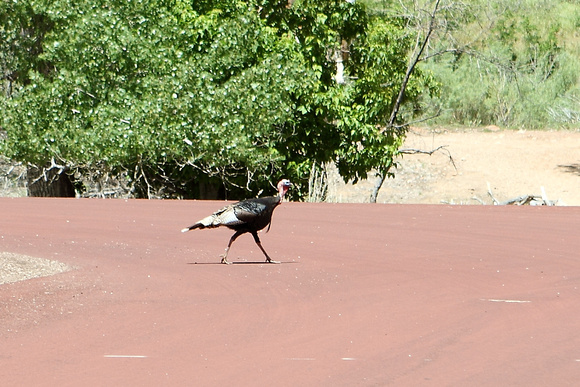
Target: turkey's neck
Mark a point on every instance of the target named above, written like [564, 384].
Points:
[281, 194]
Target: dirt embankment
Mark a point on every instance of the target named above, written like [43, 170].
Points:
[514, 163]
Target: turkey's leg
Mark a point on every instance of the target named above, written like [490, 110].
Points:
[257, 240]
[225, 255]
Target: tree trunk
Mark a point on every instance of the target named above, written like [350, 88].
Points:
[377, 187]
[48, 183]
[417, 52]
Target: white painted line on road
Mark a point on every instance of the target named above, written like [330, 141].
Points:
[126, 356]
[508, 301]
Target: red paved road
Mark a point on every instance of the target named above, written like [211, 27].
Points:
[366, 295]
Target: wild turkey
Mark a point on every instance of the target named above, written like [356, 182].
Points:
[250, 215]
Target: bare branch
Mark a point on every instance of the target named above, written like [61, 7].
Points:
[413, 151]
[495, 201]
[412, 64]
[417, 53]
[411, 123]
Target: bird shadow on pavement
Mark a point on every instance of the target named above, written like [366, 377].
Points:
[240, 263]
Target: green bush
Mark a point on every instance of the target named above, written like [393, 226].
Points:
[521, 73]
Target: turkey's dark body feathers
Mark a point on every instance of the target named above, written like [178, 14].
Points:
[247, 216]
[254, 214]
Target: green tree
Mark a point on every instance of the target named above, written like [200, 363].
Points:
[179, 98]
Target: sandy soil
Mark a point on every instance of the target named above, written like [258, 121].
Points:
[17, 267]
[367, 295]
[514, 163]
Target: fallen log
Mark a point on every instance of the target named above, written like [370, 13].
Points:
[532, 200]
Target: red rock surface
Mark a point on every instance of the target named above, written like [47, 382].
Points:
[366, 295]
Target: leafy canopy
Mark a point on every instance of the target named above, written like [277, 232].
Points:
[170, 94]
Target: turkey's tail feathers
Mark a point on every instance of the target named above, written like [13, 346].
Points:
[193, 227]
[211, 221]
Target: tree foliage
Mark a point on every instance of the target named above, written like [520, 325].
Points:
[174, 95]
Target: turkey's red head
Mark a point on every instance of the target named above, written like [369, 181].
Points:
[283, 187]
